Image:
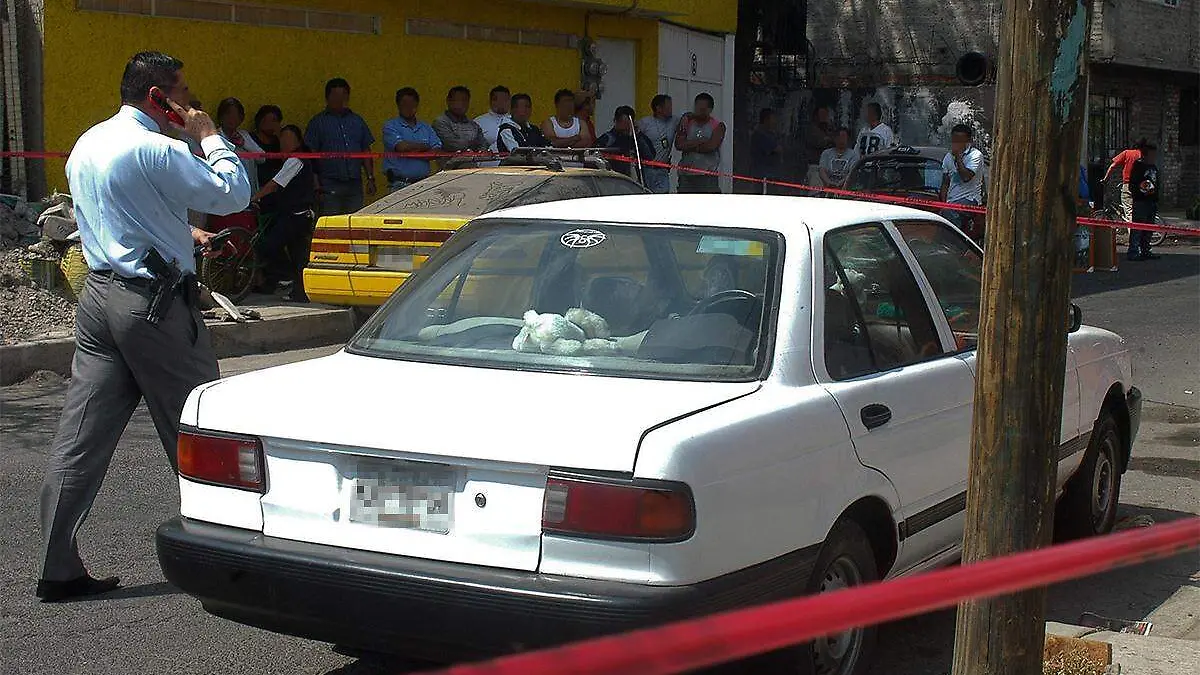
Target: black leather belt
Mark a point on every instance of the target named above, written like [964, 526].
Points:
[109, 275]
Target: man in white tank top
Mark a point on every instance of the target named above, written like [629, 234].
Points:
[564, 129]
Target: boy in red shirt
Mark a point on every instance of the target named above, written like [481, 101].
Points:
[1126, 159]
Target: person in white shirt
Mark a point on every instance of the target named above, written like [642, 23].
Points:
[836, 162]
[962, 179]
[497, 115]
[132, 186]
[230, 115]
[564, 129]
[876, 136]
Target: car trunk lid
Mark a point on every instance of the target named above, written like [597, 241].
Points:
[453, 465]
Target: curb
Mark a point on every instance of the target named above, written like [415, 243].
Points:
[315, 328]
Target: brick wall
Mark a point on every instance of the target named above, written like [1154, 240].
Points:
[1147, 33]
[1154, 115]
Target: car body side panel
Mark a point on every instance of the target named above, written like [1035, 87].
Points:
[1103, 359]
[771, 472]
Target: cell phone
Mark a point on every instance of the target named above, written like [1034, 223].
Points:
[161, 101]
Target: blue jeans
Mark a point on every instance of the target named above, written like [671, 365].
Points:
[658, 180]
[1139, 240]
[341, 197]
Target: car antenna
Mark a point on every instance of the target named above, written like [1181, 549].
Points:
[637, 152]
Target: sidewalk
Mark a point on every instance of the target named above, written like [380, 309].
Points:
[1158, 653]
[283, 326]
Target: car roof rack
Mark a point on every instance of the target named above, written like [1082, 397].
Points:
[554, 159]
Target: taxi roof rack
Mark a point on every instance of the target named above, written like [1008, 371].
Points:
[554, 159]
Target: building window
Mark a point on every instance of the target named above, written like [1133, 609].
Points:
[238, 12]
[1108, 126]
[1189, 116]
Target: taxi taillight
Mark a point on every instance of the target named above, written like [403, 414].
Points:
[222, 459]
[589, 507]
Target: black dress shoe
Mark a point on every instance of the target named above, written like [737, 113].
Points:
[57, 591]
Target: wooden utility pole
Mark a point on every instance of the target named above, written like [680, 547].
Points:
[1023, 332]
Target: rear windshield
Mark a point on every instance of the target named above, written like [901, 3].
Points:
[639, 301]
[897, 173]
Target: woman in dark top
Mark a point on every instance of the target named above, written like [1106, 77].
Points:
[289, 197]
[266, 134]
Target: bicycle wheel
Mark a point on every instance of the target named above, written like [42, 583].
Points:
[231, 272]
[1157, 237]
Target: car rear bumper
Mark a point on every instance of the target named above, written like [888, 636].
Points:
[433, 609]
[366, 288]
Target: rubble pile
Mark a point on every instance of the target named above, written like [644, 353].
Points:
[28, 310]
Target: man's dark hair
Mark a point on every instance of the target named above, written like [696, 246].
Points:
[659, 101]
[1140, 143]
[963, 129]
[878, 109]
[336, 83]
[407, 91]
[267, 110]
[622, 112]
[705, 96]
[457, 89]
[764, 115]
[225, 105]
[521, 97]
[563, 93]
[841, 129]
[498, 89]
[146, 70]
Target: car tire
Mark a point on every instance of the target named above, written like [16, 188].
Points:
[1088, 506]
[846, 559]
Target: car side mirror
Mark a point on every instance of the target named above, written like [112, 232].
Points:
[1076, 318]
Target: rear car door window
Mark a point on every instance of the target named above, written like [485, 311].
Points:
[876, 317]
[954, 269]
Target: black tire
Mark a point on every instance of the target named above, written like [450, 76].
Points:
[846, 559]
[1088, 506]
[231, 275]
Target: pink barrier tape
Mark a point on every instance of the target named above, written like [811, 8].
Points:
[707, 641]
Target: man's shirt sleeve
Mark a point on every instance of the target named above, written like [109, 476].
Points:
[217, 184]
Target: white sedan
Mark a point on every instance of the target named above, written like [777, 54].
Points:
[587, 416]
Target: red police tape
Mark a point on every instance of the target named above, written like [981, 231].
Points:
[837, 192]
[708, 641]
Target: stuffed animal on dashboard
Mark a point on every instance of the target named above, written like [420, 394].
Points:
[579, 333]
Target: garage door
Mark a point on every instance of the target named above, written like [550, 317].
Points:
[691, 62]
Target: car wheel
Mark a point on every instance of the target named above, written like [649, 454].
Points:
[1088, 506]
[846, 560]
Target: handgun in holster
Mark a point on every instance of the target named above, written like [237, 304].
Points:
[167, 277]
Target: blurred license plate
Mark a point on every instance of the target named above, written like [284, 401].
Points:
[404, 495]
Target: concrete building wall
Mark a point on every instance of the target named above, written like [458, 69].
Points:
[1147, 33]
[477, 43]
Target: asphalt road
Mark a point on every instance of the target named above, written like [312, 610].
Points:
[149, 627]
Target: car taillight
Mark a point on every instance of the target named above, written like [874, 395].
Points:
[594, 508]
[232, 461]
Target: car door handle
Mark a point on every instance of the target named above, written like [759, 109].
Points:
[876, 415]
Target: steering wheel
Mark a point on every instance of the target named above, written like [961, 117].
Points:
[737, 303]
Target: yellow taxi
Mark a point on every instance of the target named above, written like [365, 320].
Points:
[361, 258]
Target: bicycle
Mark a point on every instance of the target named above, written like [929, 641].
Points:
[236, 268]
[1110, 212]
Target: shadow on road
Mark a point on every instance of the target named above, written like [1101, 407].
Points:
[924, 645]
[154, 590]
[1179, 262]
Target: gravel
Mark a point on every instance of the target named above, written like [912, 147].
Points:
[25, 310]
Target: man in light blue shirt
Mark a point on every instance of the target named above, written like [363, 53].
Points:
[132, 186]
[406, 133]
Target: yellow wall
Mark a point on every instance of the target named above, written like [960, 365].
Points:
[85, 53]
